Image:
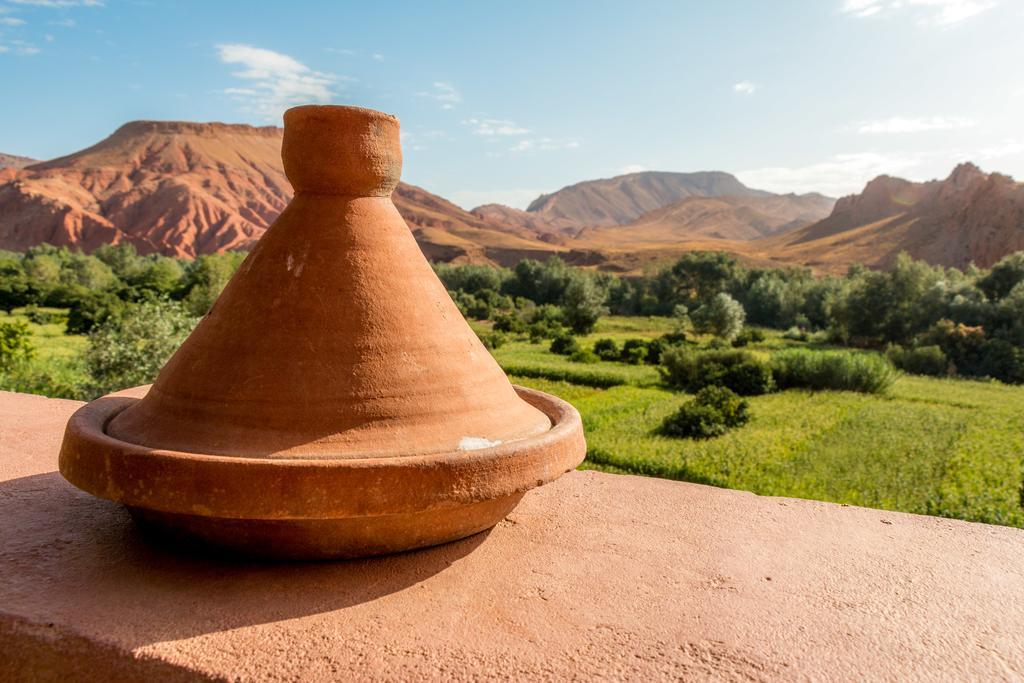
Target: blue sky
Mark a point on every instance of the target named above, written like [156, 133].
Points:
[502, 101]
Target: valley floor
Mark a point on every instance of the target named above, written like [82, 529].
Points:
[947, 447]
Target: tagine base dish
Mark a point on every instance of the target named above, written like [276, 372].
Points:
[316, 508]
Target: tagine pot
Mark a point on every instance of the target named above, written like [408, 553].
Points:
[333, 402]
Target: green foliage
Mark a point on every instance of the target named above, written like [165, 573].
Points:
[564, 345]
[493, 340]
[701, 275]
[1003, 277]
[749, 335]
[583, 304]
[921, 360]
[206, 277]
[15, 344]
[129, 348]
[712, 412]
[509, 322]
[606, 349]
[795, 334]
[584, 356]
[869, 373]
[655, 349]
[91, 310]
[740, 371]
[722, 316]
[634, 351]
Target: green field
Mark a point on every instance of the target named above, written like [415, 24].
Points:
[945, 447]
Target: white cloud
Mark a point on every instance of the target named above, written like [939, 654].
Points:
[340, 51]
[899, 124]
[495, 127]
[1006, 148]
[744, 88]
[65, 23]
[445, 93]
[518, 198]
[377, 57]
[543, 145]
[840, 175]
[19, 47]
[275, 80]
[926, 12]
[632, 168]
[58, 3]
[11, 21]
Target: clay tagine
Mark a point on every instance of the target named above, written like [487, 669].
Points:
[333, 402]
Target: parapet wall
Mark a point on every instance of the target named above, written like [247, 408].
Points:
[594, 576]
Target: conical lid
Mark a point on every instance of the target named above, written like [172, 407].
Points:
[335, 339]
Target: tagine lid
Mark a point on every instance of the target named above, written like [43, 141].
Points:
[335, 338]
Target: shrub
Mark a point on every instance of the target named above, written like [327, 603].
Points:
[795, 334]
[606, 349]
[634, 351]
[564, 345]
[43, 317]
[923, 360]
[868, 373]
[131, 347]
[750, 335]
[589, 377]
[584, 356]
[655, 348]
[493, 340]
[712, 412]
[509, 322]
[740, 371]
[15, 344]
[1003, 361]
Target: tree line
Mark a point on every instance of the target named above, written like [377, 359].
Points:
[929, 319]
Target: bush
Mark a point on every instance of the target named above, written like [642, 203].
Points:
[750, 335]
[493, 340]
[564, 345]
[655, 348]
[923, 360]
[634, 351]
[869, 373]
[509, 322]
[795, 334]
[130, 348]
[584, 356]
[1003, 361]
[15, 344]
[606, 349]
[712, 412]
[740, 371]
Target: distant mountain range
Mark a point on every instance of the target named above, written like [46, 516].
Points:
[13, 161]
[183, 189]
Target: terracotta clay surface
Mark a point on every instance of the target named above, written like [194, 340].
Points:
[595, 576]
[333, 402]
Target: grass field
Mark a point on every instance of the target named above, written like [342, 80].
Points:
[945, 447]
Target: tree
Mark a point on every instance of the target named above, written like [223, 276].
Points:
[206, 278]
[722, 317]
[130, 347]
[15, 344]
[13, 283]
[703, 274]
[1003, 277]
[583, 304]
